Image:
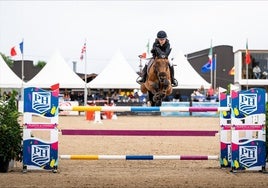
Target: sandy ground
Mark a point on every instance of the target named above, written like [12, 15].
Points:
[121, 173]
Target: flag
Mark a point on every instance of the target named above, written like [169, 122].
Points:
[145, 54]
[148, 47]
[55, 87]
[210, 54]
[18, 49]
[55, 90]
[211, 62]
[232, 71]
[142, 56]
[207, 67]
[83, 51]
[248, 60]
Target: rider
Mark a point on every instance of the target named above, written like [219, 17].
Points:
[162, 46]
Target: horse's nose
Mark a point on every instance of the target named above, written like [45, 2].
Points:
[162, 76]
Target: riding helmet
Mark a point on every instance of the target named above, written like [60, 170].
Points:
[161, 34]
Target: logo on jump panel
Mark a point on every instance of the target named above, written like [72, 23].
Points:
[41, 101]
[40, 154]
[248, 103]
[248, 155]
[229, 152]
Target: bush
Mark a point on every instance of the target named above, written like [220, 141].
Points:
[10, 129]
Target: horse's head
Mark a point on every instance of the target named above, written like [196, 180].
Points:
[161, 68]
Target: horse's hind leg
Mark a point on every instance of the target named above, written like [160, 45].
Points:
[157, 99]
[150, 101]
[143, 89]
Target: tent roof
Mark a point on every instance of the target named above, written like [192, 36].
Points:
[186, 75]
[8, 79]
[56, 71]
[118, 74]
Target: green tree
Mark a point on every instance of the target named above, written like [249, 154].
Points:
[10, 62]
[41, 64]
[7, 59]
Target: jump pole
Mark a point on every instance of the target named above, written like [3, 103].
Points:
[139, 157]
[102, 132]
[144, 109]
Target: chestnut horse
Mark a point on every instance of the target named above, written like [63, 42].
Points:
[158, 83]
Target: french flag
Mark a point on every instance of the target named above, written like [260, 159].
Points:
[18, 49]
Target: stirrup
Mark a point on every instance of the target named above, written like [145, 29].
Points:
[139, 80]
[174, 83]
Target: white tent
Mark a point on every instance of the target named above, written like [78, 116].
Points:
[56, 71]
[8, 79]
[118, 74]
[186, 75]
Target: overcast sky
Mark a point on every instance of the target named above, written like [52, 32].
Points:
[46, 26]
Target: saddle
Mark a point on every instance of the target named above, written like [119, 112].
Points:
[150, 64]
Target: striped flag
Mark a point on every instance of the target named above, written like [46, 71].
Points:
[83, 51]
[210, 55]
[146, 54]
[18, 49]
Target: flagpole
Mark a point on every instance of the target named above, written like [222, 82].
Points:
[215, 69]
[22, 72]
[247, 62]
[247, 74]
[211, 76]
[85, 89]
[140, 65]
[211, 70]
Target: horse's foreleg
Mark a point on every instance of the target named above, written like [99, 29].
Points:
[155, 87]
[168, 88]
[157, 96]
[165, 85]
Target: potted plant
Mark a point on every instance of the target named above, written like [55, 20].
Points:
[10, 132]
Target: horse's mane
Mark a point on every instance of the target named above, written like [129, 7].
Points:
[160, 54]
[159, 64]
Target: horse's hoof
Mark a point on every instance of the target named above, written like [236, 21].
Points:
[174, 83]
[162, 95]
[139, 82]
[149, 103]
[158, 103]
[157, 97]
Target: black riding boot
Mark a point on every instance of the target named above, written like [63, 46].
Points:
[143, 74]
[174, 82]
